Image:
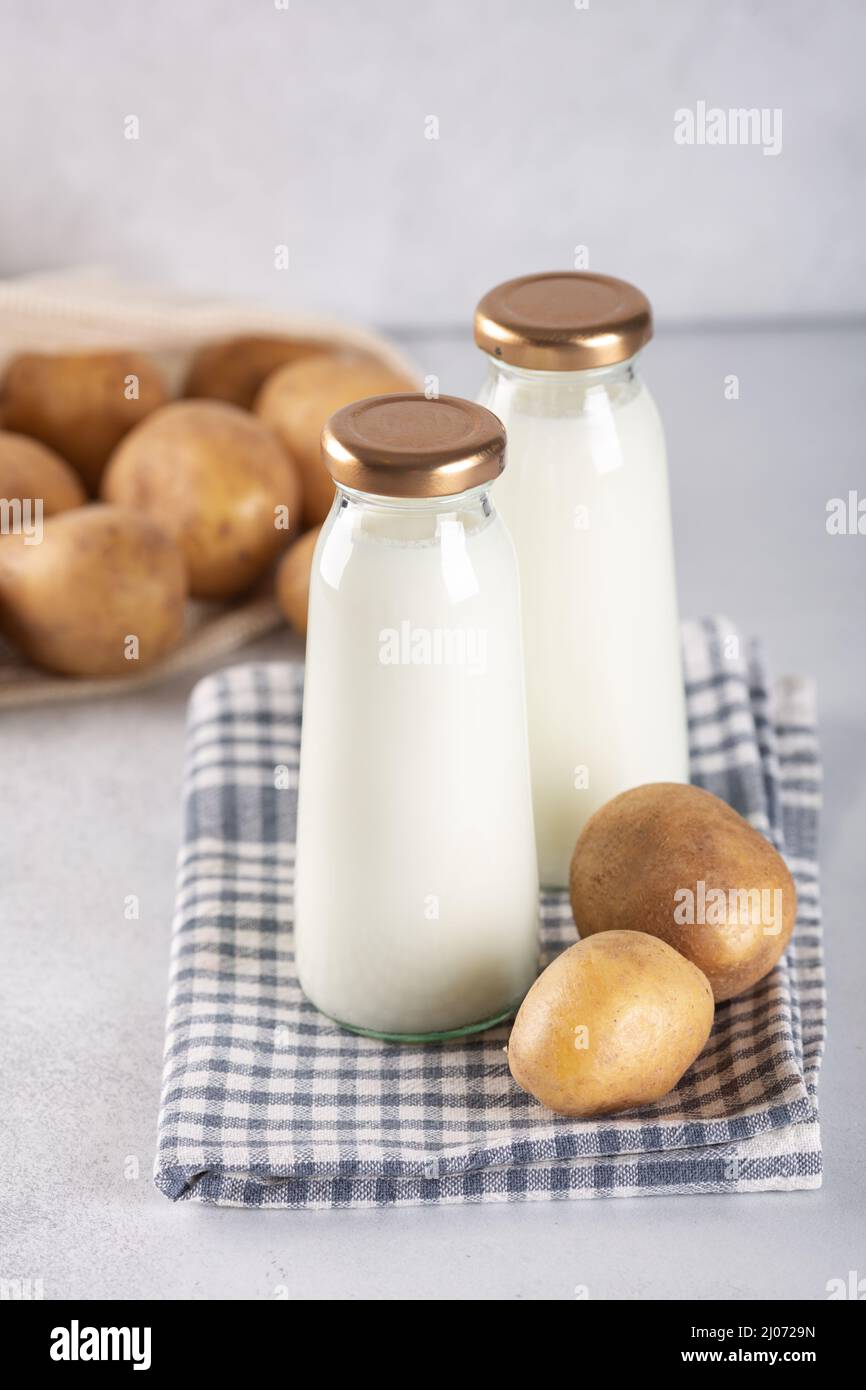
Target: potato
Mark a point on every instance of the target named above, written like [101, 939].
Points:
[102, 594]
[78, 403]
[680, 864]
[236, 369]
[30, 470]
[297, 401]
[219, 481]
[612, 1023]
[293, 580]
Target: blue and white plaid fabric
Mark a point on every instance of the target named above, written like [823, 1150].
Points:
[266, 1103]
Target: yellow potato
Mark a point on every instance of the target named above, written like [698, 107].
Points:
[80, 404]
[234, 370]
[219, 481]
[31, 471]
[296, 401]
[293, 580]
[611, 1024]
[679, 863]
[101, 595]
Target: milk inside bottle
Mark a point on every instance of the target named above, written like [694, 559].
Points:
[586, 500]
[416, 898]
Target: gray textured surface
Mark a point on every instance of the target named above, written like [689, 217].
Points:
[305, 126]
[91, 814]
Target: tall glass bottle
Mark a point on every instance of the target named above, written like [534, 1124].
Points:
[586, 502]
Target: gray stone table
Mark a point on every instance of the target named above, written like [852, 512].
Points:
[91, 813]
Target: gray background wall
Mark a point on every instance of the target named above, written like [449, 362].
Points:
[306, 127]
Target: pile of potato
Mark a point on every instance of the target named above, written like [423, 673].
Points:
[145, 502]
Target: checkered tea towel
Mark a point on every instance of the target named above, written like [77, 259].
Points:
[266, 1103]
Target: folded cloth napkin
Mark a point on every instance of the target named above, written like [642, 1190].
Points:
[266, 1103]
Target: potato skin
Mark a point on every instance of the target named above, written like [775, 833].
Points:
[100, 575]
[76, 403]
[646, 845]
[293, 580]
[29, 469]
[213, 476]
[235, 369]
[648, 1013]
[297, 401]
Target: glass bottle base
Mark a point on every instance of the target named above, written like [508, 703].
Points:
[444, 1036]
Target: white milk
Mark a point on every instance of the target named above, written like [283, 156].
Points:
[416, 901]
[585, 497]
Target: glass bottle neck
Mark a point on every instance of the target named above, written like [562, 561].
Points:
[616, 372]
[477, 498]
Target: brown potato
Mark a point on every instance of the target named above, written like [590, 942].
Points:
[219, 481]
[612, 1023]
[661, 854]
[77, 403]
[235, 370]
[293, 580]
[31, 471]
[101, 595]
[297, 400]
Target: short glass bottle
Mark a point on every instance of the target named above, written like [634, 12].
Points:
[417, 884]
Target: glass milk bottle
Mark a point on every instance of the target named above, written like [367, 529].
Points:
[586, 501]
[417, 886]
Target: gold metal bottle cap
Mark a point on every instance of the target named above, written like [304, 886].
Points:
[563, 321]
[409, 446]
